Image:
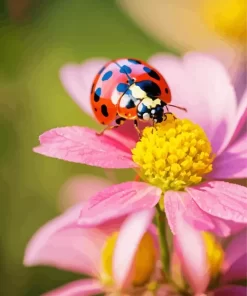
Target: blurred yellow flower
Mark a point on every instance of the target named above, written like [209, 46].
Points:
[228, 18]
[215, 253]
[217, 27]
[144, 262]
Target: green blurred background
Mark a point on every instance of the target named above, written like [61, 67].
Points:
[36, 39]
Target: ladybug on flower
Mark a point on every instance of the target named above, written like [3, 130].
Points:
[129, 89]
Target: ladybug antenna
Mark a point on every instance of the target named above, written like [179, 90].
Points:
[130, 80]
[178, 107]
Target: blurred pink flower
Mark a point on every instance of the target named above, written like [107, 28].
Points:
[80, 188]
[63, 244]
[198, 82]
[195, 261]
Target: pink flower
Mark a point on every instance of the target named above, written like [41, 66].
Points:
[107, 254]
[203, 260]
[200, 83]
[63, 244]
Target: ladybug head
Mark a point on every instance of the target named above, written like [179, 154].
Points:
[151, 108]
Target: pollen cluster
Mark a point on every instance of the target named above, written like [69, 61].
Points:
[173, 155]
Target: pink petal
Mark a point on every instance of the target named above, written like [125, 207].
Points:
[67, 219]
[63, 245]
[235, 260]
[182, 202]
[80, 188]
[119, 200]
[231, 290]
[201, 84]
[175, 202]
[238, 126]
[78, 288]
[126, 133]
[130, 235]
[232, 163]
[221, 199]
[82, 145]
[237, 271]
[238, 147]
[78, 79]
[192, 253]
[154, 232]
[240, 122]
[225, 228]
[235, 249]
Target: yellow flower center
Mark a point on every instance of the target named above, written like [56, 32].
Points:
[143, 263]
[227, 17]
[173, 155]
[215, 253]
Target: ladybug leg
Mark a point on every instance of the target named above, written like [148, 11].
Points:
[119, 121]
[168, 112]
[165, 116]
[153, 125]
[105, 129]
[137, 128]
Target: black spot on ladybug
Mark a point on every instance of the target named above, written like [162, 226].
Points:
[95, 109]
[107, 75]
[102, 122]
[166, 90]
[134, 61]
[101, 70]
[97, 94]
[130, 105]
[125, 69]
[151, 73]
[104, 110]
[151, 88]
[120, 121]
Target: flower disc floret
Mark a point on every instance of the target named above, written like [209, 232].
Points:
[173, 154]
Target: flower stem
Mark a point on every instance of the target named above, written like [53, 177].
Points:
[164, 248]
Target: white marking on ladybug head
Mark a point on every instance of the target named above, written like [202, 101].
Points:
[156, 102]
[140, 106]
[146, 116]
[150, 103]
[137, 102]
[137, 92]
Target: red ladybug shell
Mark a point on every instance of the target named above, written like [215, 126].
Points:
[114, 79]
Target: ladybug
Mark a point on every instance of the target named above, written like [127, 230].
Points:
[129, 89]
